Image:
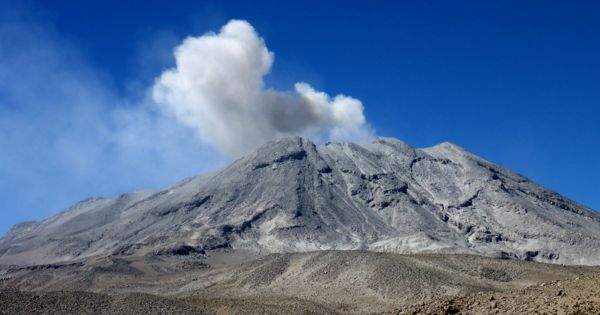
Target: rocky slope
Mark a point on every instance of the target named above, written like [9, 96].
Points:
[294, 196]
[79, 303]
[576, 296]
[333, 282]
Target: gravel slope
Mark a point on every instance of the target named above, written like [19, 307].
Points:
[77, 302]
[579, 295]
[347, 282]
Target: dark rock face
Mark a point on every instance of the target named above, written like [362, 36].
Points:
[293, 196]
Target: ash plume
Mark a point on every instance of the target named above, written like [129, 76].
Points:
[217, 89]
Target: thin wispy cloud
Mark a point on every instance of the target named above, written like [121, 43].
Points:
[66, 134]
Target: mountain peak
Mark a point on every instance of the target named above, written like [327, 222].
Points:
[447, 146]
[391, 141]
[450, 145]
[293, 196]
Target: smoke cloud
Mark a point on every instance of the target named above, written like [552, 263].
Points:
[217, 89]
[67, 134]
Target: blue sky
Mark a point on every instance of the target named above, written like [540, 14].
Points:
[516, 82]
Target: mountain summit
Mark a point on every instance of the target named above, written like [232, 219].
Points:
[291, 195]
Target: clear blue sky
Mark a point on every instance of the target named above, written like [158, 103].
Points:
[516, 82]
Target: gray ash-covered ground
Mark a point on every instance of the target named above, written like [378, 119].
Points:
[323, 282]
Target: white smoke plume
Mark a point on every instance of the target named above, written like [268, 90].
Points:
[217, 89]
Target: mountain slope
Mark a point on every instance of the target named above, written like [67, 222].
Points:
[294, 196]
[332, 282]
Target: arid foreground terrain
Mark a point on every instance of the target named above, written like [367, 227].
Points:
[579, 295]
[333, 282]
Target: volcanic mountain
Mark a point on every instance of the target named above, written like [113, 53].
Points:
[291, 195]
